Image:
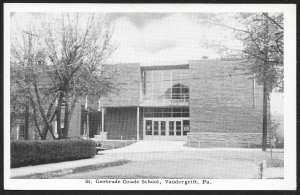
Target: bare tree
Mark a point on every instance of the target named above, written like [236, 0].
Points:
[27, 73]
[262, 52]
[66, 65]
[19, 102]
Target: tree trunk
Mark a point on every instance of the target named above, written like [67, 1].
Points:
[26, 125]
[66, 121]
[265, 118]
[58, 117]
[44, 134]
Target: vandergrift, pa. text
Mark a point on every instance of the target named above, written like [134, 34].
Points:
[147, 181]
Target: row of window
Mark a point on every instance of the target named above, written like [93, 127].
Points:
[166, 112]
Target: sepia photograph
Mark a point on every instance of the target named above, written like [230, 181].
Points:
[102, 96]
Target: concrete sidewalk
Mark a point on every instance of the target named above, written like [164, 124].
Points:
[172, 146]
[273, 173]
[150, 146]
[55, 169]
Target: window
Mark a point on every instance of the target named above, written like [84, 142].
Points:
[158, 112]
[186, 127]
[148, 127]
[155, 128]
[165, 85]
[178, 127]
[166, 112]
[177, 112]
[185, 112]
[171, 127]
[163, 128]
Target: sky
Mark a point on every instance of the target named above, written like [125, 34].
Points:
[150, 37]
[154, 38]
[158, 37]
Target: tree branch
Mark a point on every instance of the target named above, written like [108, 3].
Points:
[273, 21]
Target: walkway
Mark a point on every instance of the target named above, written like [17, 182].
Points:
[150, 146]
[172, 146]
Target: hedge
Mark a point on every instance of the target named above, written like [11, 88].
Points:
[26, 152]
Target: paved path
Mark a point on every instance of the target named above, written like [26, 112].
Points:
[171, 146]
[150, 146]
[170, 158]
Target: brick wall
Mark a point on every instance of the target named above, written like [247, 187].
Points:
[218, 139]
[128, 80]
[221, 101]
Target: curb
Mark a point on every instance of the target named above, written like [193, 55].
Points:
[265, 170]
[60, 172]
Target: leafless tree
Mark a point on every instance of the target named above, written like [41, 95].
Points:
[65, 63]
[262, 52]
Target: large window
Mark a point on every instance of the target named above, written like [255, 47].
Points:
[165, 85]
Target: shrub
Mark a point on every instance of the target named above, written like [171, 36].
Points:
[27, 152]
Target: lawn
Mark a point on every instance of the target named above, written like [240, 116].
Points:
[214, 164]
[271, 162]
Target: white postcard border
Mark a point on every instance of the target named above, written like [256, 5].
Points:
[289, 181]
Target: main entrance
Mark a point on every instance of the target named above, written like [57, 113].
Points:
[166, 128]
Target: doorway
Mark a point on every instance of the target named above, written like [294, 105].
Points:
[166, 128]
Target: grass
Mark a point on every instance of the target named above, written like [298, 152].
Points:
[271, 162]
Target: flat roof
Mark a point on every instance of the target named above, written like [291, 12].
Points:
[164, 63]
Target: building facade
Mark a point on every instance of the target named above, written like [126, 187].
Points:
[192, 101]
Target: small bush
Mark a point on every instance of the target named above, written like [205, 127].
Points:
[26, 152]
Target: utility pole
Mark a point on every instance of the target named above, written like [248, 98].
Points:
[253, 90]
[265, 88]
[87, 117]
[265, 118]
[26, 113]
[26, 125]
[58, 116]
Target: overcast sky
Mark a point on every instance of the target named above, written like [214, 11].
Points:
[159, 37]
[164, 37]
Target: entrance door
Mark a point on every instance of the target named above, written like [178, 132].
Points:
[166, 128]
[163, 128]
[178, 128]
[155, 128]
[171, 128]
